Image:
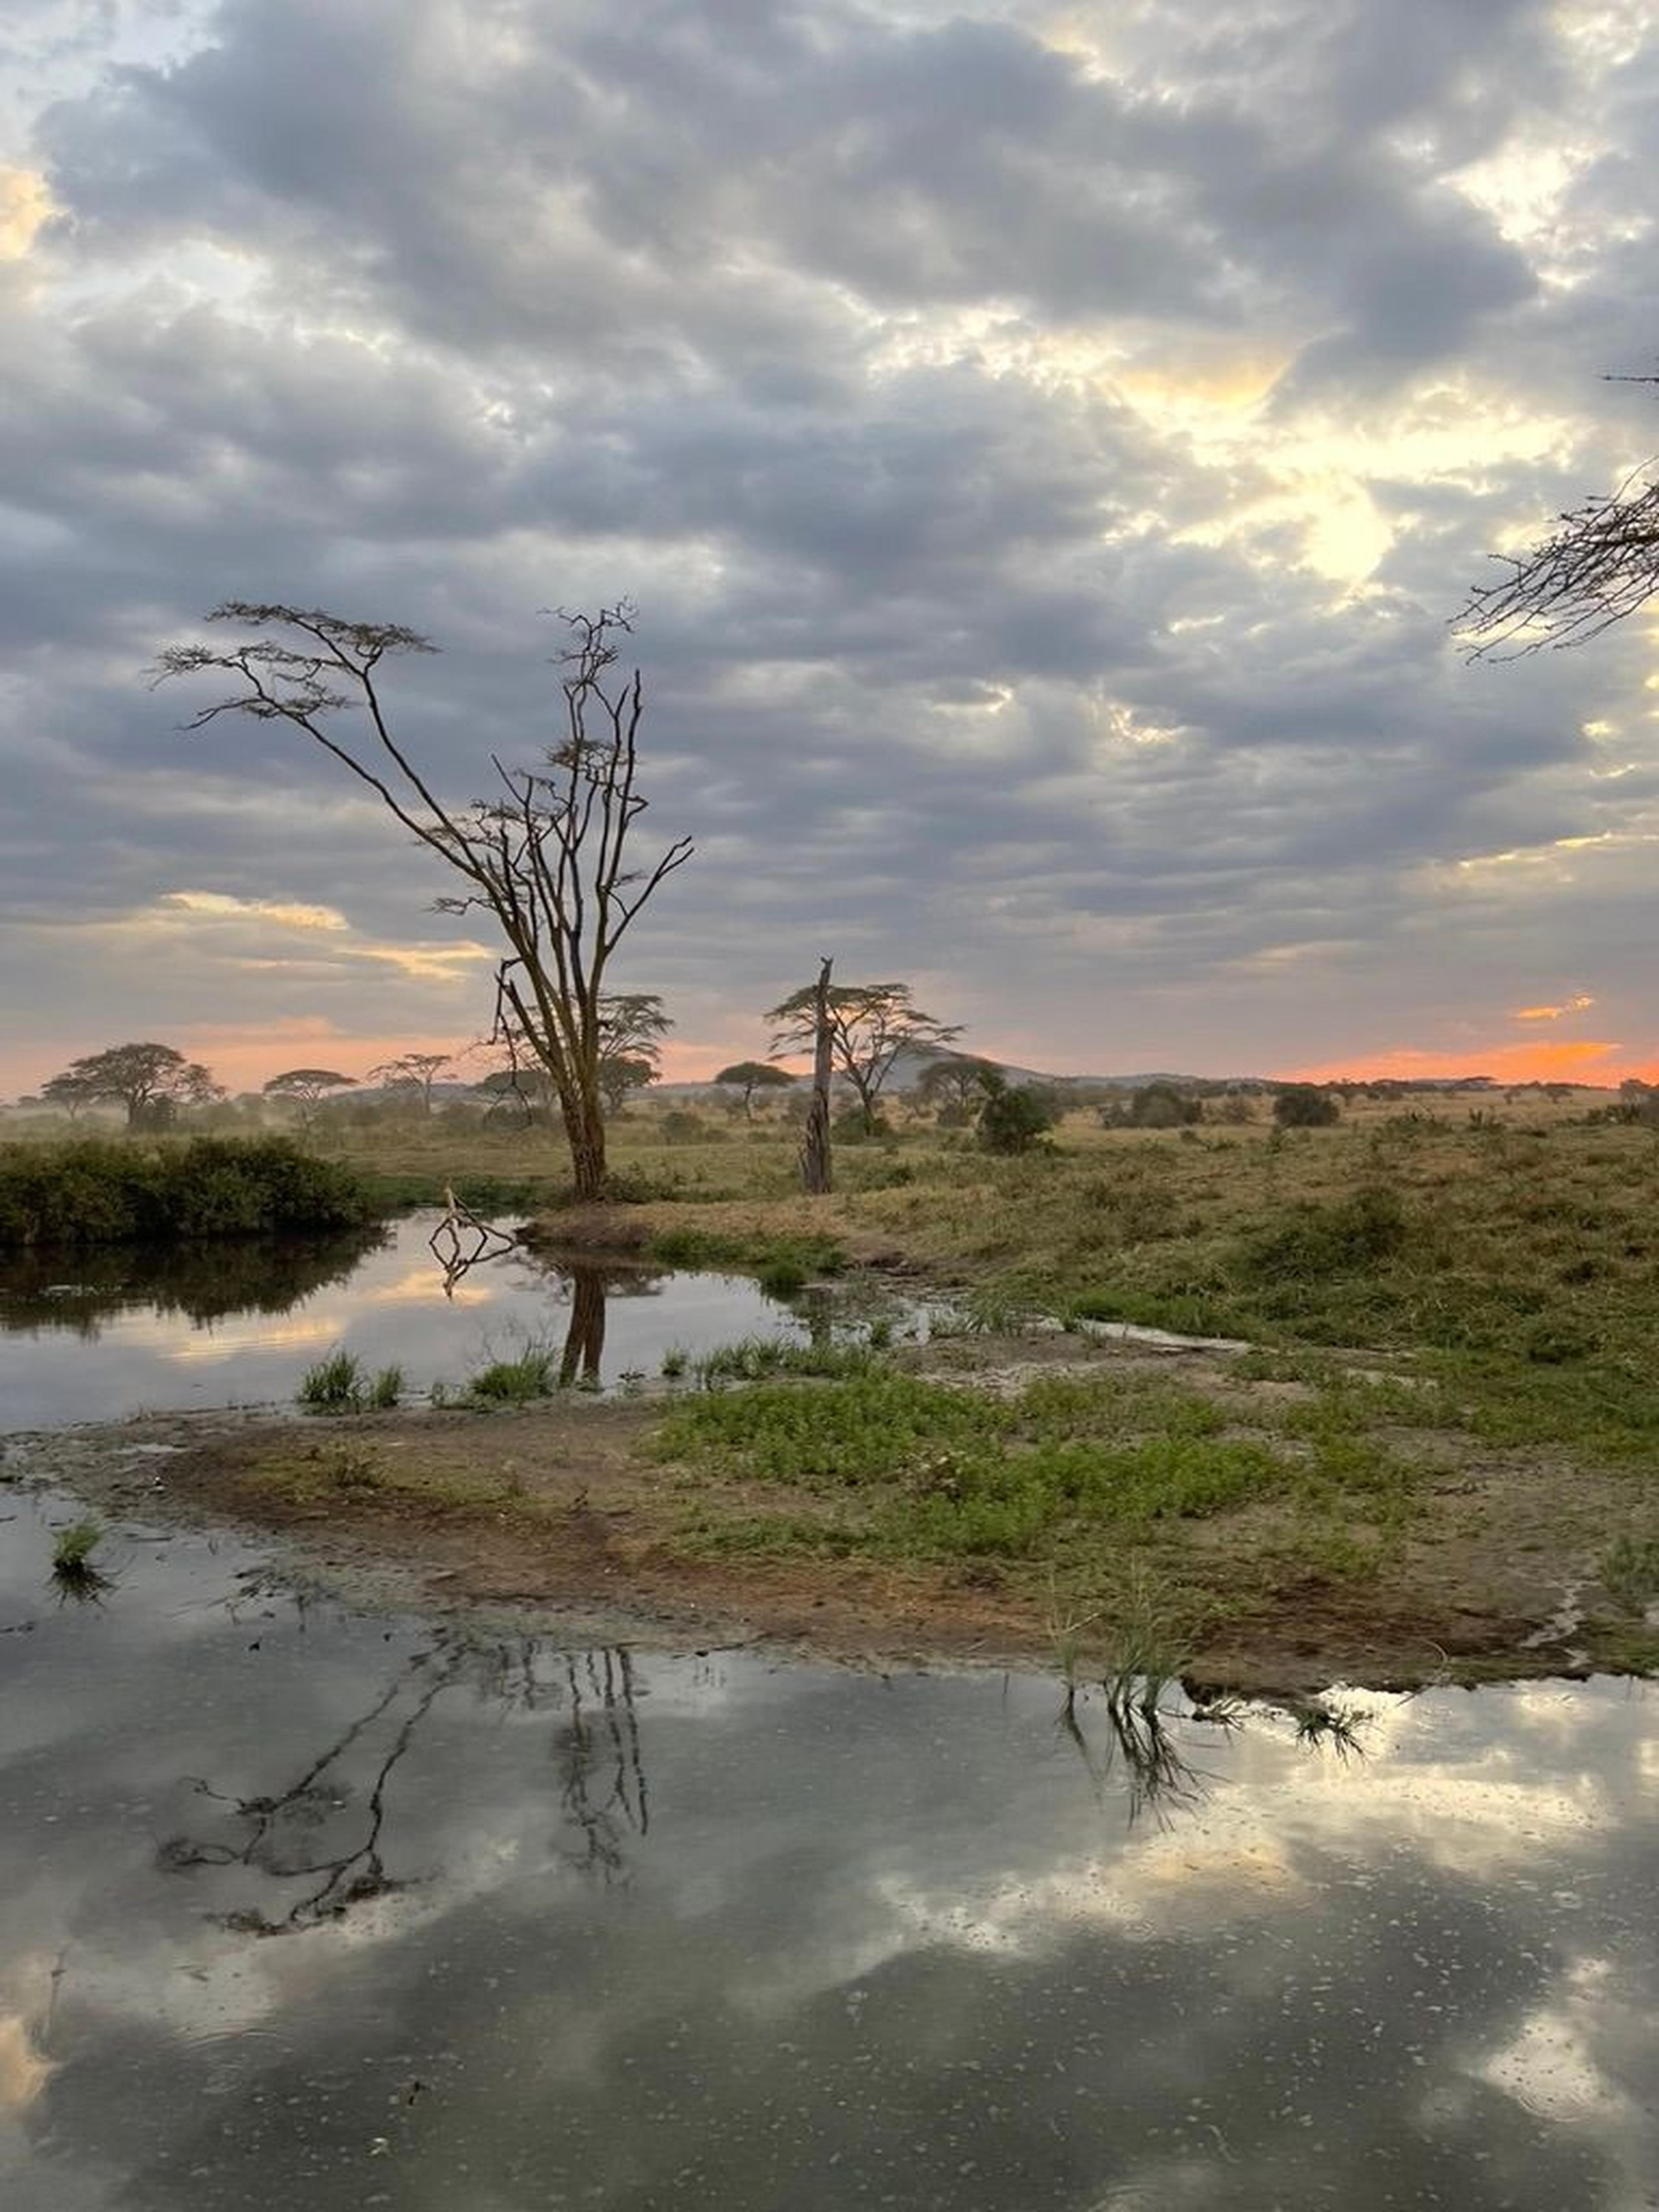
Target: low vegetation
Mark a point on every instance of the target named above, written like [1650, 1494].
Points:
[340, 1385]
[74, 1568]
[105, 1191]
[1447, 1318]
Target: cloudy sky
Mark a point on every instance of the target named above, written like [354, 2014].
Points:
[1045, 444]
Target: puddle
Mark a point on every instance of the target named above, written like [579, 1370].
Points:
[100, 1335]
[297, 1908]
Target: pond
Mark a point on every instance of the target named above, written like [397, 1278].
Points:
[100, 1334]
[302, 1909]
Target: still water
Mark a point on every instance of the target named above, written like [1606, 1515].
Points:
[96, 1335]
[304, 1910]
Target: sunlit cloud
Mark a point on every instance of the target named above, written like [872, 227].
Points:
[24, 2073]
[1575, 1006]
[216, 906]
[25, 207]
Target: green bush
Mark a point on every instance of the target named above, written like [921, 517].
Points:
[100, 1190]
[1015, 1118]
[1303, 1106]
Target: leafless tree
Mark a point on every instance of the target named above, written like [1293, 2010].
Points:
[547, 858]
[1600, 564]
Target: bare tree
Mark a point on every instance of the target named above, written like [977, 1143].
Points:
[870, 1026]
[546, 858]
[1600, 564]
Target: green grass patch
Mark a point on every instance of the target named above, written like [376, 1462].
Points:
[518, 1382]
[1629, 1571]
[926, 1471]
[754, 1358]
[341, 1384]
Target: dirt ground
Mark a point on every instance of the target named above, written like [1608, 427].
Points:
[556, 1516]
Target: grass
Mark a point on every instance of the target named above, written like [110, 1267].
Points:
[753, 1358]
[518, 1382]
[1629, 1571]
[73, 1567]
[340, 1385]
[1060, 1475]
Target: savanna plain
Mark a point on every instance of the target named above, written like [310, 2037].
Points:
[1255, 1406]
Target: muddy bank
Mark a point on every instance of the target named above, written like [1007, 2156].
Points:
[565, 1514]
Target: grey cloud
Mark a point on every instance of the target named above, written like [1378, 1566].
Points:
[652, 303]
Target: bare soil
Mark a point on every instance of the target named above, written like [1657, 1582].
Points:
[555, 1515]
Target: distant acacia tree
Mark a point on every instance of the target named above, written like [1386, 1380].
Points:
[749, 1076]
[955, 1081]
[870, 1026]
[548, 858]
[73, 1093]
[411, 1076]
[1600, 564]
[632, 1024]
[151, 1081]
[307, 1087]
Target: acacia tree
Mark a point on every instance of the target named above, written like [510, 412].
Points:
[152, 1081]
[547, 858]
[1599, 565]
[870, 1026]
[749, 1076]
[307, 1087]
[72, 1092]
[632, 1024]
[955, 1081]
[411, 1075]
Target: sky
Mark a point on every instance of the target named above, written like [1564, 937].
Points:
[1046, 446]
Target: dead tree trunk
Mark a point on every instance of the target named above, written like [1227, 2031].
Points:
[815, 1170]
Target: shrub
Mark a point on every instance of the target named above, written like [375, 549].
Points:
[102, 1190]
[1303, 1106]
[1014, 1119]
[516, 1381]
[334, 1385]
[1314, 1240]
[1161, 1106]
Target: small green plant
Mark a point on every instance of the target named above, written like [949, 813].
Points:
[753, 1358]
[516, 1381]
[879, 1335]
[782, 1279]
[675, 1361]
[1320, 1727]
[1145, 1642]
[386, 1389]
[72, 1566]
[1629, 1571]
[350, 1469]
[334, 1385]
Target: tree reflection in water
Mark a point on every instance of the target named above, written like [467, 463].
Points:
[81, 1290]
[327, 1830]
